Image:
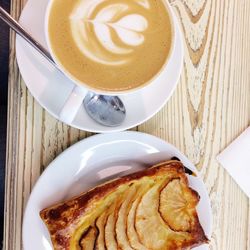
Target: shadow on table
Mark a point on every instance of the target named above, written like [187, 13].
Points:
[4, 65]
[2, 165]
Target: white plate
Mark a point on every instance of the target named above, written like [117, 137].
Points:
[92, 161]
[51, 89]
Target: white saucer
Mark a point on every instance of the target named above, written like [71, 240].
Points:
[96, 159]
[51, 89]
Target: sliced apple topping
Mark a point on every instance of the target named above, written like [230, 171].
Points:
[110, 237]
[132, 234]
[121, 224]
[155, 215]
[151, 228]
[88, 239]
[100, 223]
[131, 231]
[177, 205]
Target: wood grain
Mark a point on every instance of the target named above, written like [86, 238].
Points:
[210, 108]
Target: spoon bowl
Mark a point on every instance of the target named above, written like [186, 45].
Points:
[106, 110]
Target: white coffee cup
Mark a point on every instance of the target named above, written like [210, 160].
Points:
[80, 90]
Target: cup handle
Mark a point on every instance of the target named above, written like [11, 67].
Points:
[72, 105]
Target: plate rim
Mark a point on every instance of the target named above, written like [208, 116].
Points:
[107, 137]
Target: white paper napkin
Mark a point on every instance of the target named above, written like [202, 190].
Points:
[236, 160]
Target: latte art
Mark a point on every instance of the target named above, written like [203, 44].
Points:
[109, 32]
[110, 45]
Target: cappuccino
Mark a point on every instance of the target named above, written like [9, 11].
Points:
[110, 45]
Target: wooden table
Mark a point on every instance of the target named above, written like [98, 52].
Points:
[207, 111]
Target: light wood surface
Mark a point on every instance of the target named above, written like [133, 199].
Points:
[210, 108]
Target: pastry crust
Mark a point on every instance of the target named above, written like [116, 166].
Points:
[71, 222]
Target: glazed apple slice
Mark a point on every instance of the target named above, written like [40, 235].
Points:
[178, 206]
[100, 224]
[109, 230]
[121, 223]
[88, 239]
[131, 232]
[151, 230]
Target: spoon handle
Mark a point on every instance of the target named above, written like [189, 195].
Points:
[12, 23]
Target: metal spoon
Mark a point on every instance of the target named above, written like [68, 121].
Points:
[106, 110]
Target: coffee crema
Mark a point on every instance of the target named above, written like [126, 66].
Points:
[110, 45]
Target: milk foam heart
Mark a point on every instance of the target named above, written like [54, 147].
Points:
[96, 26]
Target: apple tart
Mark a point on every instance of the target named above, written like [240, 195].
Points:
[154, 209]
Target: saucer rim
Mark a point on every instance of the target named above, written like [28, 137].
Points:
[104, 129]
